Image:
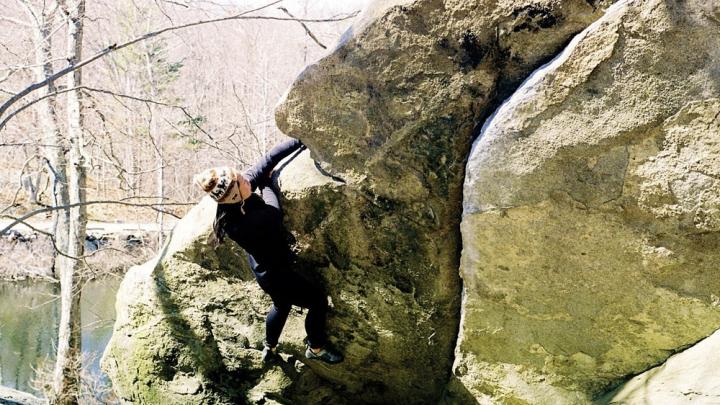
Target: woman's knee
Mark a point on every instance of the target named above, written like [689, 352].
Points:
[281, 308]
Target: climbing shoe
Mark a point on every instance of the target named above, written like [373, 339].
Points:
[325, 354]
[269, 354]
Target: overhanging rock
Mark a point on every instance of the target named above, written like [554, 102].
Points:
[392, 113]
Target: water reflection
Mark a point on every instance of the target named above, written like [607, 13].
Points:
[29, 315]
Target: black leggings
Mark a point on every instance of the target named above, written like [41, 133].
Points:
[289, 289]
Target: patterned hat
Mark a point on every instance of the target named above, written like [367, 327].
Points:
[216, 181]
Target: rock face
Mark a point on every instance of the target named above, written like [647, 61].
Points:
[592, 211]
[389, 118]
[391, 115]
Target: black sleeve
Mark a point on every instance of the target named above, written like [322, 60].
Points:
[258, 174]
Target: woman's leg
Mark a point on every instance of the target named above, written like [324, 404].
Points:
[315, 320]
[274, 322]
[304, 294]
[280, 309]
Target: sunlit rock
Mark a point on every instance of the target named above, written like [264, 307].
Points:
[592, 211]
[687, 377]
[190, 324]
[391, 115]
[374, 208]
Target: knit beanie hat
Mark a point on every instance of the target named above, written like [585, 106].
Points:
[216, 181]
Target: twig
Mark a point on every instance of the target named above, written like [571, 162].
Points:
[307, 30]
[49, 235]
[213, 145]
[34, 307]
[28, 144]
[176, 3]
[162, 10]
[16, 21]
[23, 67]
[246, 116]
[108, 92]
[30, 103]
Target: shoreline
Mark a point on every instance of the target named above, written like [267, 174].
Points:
[31, 258]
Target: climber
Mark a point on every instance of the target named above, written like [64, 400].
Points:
[255, 223]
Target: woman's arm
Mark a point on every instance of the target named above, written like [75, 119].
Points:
[259, 173]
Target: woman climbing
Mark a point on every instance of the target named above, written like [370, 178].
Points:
[255, 223]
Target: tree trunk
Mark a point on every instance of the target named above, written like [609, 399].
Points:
[66, 384]
[158, 141]
[54, 149]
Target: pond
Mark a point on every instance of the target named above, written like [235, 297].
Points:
[29, 315]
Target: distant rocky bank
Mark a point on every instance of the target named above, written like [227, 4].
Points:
[25, 254]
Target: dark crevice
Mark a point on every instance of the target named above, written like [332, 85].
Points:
[532, 18]
[472, 51]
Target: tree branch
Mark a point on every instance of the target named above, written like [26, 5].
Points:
[123, 201]
[176, 3]
[184, 110]
[28, 144]
[22, 67]
[307, 30]
[108, 92]
[114, 47]
[25, 106]
[55, 246]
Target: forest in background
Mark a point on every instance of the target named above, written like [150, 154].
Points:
[159, 111]
[108, 109]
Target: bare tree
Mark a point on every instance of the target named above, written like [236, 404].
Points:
[114, 47]
[54, 143]
[66, 384]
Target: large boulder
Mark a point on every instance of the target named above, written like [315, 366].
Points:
[591, 220]
[390, 115]
[374, 210]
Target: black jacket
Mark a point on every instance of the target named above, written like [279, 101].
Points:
[260, 229]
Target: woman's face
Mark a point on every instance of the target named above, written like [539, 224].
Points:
[243, 186]
[239, 190]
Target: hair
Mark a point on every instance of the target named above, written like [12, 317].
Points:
[219, 226]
